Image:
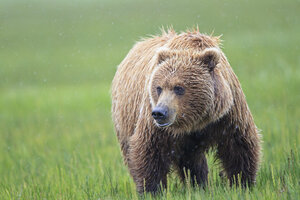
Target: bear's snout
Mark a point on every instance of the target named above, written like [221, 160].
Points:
[160, 113]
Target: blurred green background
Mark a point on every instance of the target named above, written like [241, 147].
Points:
[57, 60]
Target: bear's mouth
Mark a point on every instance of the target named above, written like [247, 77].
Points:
[163, 125]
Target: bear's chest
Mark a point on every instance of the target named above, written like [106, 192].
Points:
[189, 144]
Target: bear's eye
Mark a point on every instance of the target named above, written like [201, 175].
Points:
[159, 90]
[179, 90]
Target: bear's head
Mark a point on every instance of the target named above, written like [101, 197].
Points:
[187, 90]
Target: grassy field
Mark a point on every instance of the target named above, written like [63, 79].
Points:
[57, 60]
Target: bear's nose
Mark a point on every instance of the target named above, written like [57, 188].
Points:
[160, 113]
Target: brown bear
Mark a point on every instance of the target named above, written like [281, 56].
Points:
[175, 96]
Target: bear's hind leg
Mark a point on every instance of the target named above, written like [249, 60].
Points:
[194, 165]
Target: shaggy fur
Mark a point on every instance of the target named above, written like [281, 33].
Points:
[208, 110]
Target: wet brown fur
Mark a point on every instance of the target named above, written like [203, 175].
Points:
[224, 120]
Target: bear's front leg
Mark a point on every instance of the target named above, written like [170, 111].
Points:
[239, 152]
[147, 163]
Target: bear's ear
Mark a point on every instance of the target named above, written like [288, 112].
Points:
[163, 54]
[210, 57]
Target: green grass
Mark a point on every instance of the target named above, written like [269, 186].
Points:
[57, 60]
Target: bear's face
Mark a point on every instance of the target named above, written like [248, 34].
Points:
[182, 88]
